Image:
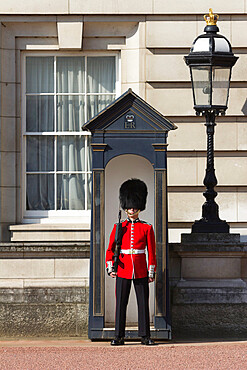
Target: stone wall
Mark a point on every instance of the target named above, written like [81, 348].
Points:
[44, 289]
[209, 321]
[43, 312]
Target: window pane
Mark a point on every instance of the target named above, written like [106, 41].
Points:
[96, 103]
[71, 192]
[89, 191]
[221, 80]
[70, 113]
[40, 153]
[40, 192]
[101, 74]
[70, 75]
[71, 153]
[40, 113]
[39, 74]
[202, 85]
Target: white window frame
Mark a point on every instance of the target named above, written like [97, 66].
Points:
[56, 216]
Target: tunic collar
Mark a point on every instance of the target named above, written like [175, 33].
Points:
[129, 220]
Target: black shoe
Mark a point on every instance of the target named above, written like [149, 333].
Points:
[117, 341]
[147, 341]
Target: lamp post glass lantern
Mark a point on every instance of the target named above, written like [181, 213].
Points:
[210, 85]
[210, 60]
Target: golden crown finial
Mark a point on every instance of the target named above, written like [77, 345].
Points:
[211, 18]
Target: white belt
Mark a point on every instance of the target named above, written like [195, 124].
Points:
[132, 251]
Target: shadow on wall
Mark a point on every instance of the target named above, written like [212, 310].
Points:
[244, 108]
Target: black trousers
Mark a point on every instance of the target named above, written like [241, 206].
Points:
[122, 296]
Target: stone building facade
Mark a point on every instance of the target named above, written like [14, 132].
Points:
[44, 47]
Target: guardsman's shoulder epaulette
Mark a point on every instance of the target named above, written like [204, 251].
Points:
[145, 222]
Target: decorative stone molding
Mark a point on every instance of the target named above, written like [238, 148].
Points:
[70, 35]
[45, 250]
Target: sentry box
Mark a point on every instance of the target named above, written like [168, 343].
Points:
[129, 140]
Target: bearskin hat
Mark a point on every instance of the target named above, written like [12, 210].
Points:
[133, 194]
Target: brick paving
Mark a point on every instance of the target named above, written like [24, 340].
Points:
[84, 354]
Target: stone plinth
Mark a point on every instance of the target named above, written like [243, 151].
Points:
[209, 286]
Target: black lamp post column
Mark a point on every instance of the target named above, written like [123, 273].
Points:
[210, 221]
[210, 60]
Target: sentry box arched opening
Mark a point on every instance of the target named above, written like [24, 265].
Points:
[128, 127]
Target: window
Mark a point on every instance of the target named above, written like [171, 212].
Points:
[62, 93]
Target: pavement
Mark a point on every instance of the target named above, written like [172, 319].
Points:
[70, 354]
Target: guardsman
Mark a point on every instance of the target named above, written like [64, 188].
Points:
[137, 237]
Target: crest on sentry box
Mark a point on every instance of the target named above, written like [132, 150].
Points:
[130, 121]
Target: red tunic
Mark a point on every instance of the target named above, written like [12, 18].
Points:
[136, 236]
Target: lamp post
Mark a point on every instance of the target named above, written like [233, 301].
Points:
[210, 61]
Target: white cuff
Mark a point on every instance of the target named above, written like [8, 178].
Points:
[151, 271]
[109, 267]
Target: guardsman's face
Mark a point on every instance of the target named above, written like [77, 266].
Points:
[132, 213]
